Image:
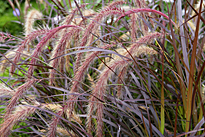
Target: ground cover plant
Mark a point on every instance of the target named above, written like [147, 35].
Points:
[107, 68]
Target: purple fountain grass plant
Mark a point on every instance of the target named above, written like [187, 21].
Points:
[20, 49]
[19, 92]
[42, 43]
[147, 38]
[65, 41]
[20, 113]
[93, 101]
[82, 23]
[76, 38]
[97, 96]
[88, 60]
[55, 121]
[60, 48]
[67, 21]
[79, 76]
[107, 11]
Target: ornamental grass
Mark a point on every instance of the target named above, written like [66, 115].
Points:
[117, 68]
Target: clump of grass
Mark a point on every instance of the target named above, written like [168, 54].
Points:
[109, 72]
[20, 113]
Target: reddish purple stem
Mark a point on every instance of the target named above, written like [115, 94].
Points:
[145, 10]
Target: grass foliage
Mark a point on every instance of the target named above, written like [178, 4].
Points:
[117, 68]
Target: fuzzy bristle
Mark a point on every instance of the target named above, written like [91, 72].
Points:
[5, 90]
[20, 113]
[30, 19]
